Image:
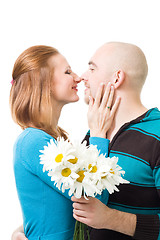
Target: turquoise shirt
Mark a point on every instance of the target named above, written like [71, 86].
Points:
[47, 212]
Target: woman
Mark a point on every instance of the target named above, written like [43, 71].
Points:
[43, 83]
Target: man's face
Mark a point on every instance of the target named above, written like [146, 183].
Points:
[97, 72]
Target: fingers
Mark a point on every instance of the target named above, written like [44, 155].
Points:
[80, 213]
[79, 206]
[115, 106]
[80, 219]
[99, 94]
[110, 100]
[79, 200]
[108, 95]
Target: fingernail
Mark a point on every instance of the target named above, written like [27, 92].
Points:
[102, 83]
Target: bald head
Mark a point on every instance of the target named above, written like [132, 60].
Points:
[127, 57]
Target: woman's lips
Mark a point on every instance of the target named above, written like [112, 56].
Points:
[75, 88]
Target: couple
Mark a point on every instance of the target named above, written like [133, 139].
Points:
[43, 83]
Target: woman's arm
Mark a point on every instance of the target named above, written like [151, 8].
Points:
[18, 234]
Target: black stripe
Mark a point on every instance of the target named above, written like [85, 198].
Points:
[148, 133]
[129, 141]
[136, 196]
[86, 138]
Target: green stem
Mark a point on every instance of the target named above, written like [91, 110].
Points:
[79, 231]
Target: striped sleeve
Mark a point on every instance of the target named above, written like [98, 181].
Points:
[148, 226]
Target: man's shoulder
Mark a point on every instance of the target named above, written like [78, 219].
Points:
[150, 124]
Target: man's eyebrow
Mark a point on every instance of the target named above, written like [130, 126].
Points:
[92, 63]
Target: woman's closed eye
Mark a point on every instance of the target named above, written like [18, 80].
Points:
[68, 71]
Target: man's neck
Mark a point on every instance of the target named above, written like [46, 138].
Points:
[129, 109]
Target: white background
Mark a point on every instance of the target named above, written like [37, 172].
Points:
[76, 28]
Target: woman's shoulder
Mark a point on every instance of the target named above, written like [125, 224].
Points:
[31, 140]
[28, 145]
[33, 136]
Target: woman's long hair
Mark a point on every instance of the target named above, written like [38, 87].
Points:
[30, 95]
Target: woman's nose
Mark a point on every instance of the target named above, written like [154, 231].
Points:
[77, 79]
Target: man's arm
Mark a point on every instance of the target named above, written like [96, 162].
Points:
[18, 234]
[94, 213]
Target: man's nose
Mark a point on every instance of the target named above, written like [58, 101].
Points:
[84, 77]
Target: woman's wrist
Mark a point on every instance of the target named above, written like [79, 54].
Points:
[94, 133]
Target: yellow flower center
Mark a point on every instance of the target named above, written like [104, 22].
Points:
[89, 166]
[74, 161]
[81, 176]
[94, 168]
[59, 158]
[66, 172]
[111, 171]
[103, 177]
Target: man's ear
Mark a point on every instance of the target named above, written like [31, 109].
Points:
[118, 78]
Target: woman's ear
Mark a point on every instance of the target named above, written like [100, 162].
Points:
[119, 78]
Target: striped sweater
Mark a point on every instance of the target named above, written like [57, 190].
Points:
[137, 145]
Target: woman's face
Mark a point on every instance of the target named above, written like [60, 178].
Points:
[64, 83]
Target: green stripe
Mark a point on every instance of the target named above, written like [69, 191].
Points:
[142, 185]
[133, 209]
[156, 174]
[144, 132]
[132, 156]
[88, 133]
[149, 111]
[136, 170]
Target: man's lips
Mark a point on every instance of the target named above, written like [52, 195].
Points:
[86, 89]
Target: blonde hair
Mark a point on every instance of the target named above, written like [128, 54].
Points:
[30, 95]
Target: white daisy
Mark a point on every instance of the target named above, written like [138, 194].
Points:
[113, 177]
[56, 154]
[63, 177]
[83, 186]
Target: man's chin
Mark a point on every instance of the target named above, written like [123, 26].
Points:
[86, 99]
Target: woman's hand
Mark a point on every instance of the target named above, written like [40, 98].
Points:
[18, 234]
[101, 111]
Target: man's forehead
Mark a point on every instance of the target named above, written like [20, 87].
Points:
[99, 57]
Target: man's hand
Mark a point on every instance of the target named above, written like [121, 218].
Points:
[18, 234]
[94, 213]
[91, 212]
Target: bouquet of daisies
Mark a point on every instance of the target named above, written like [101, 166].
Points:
[80, 169]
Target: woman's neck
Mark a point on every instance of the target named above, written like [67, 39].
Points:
[55, 118]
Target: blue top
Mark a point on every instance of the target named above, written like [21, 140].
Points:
[47, 212]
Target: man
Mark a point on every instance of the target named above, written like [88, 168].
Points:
[133, 212]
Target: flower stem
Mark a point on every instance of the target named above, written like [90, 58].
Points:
[79, 232]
